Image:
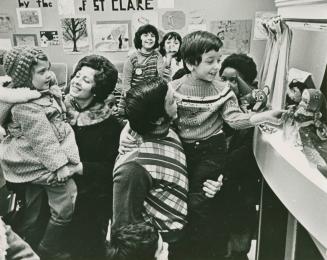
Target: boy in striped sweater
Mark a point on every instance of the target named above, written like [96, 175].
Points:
[204, 105]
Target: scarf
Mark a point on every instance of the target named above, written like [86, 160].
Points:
[92, 115]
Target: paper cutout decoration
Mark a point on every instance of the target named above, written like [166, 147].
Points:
[29, 17]
[6, 23]
[196, 17]
[75, 32]
[259, 33]
[112, 35]
[235, 34]
[144, 17]
[49, 38]
[173, 20]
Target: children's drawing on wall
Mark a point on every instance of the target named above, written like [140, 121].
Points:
[112, 35]
[75, 32]
[173, 20]
[235, 34]
[196, 21]
[6, 24]
[49, 38]
[25, 39]
[142, 18]
[196, 17]
[29, 17]
[66, 7]
[259, 31]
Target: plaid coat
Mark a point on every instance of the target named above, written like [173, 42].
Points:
[39, 141]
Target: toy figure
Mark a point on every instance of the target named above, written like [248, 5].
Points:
[256, 100]
[311, 128]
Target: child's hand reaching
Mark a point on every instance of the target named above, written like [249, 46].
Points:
[211, 187]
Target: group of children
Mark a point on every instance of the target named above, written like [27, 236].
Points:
[40, 148]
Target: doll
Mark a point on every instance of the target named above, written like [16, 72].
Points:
[311, 127]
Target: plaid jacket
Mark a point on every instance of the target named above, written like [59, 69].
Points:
[39, 141]
[166, 203]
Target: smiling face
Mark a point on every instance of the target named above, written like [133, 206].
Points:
[208, 68]
[294, 94]
[148, 40]
[82, 83]
[172, 45]
[230, 75]
[40, 75]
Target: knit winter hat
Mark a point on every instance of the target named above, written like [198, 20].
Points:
[18, 63]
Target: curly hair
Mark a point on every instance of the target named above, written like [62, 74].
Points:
[243, 64]
[133, 242]
[105, 78]
[144, 29]
[168, 36]
[145, 104]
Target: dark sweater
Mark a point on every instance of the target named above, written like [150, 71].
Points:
[98, 146]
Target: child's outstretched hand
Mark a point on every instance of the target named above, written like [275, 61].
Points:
[211, 187]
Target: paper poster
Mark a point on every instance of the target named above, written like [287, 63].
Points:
[196, 27]
[6, 23]
[66, 7]
[5, 44]
[75, 34]
[112, 35]
[235, 35]
[29, 17]
[173, 20]
[144, 17]
[166, 4]
[49, 38]
[259, 32]
[196, 17]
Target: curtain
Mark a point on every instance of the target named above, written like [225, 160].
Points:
[273, 72]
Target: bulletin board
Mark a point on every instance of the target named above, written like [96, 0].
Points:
[69, 30]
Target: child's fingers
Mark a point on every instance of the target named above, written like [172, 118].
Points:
[220, 178]
[208, 192]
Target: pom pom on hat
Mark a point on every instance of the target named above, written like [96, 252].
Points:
[18, 63]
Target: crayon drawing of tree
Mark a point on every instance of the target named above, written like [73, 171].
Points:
[73, 30]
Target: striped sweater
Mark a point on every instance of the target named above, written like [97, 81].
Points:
[164, 159]
[203, 108]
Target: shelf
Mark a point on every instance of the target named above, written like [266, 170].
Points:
[300, 187]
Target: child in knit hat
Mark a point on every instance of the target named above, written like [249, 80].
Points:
[40, 147]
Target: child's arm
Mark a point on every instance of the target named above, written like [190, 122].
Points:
[38, 131]
[127, 75]
[19, 95]
[164, 69]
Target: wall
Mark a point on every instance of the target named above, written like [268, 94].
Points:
[212, 9]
